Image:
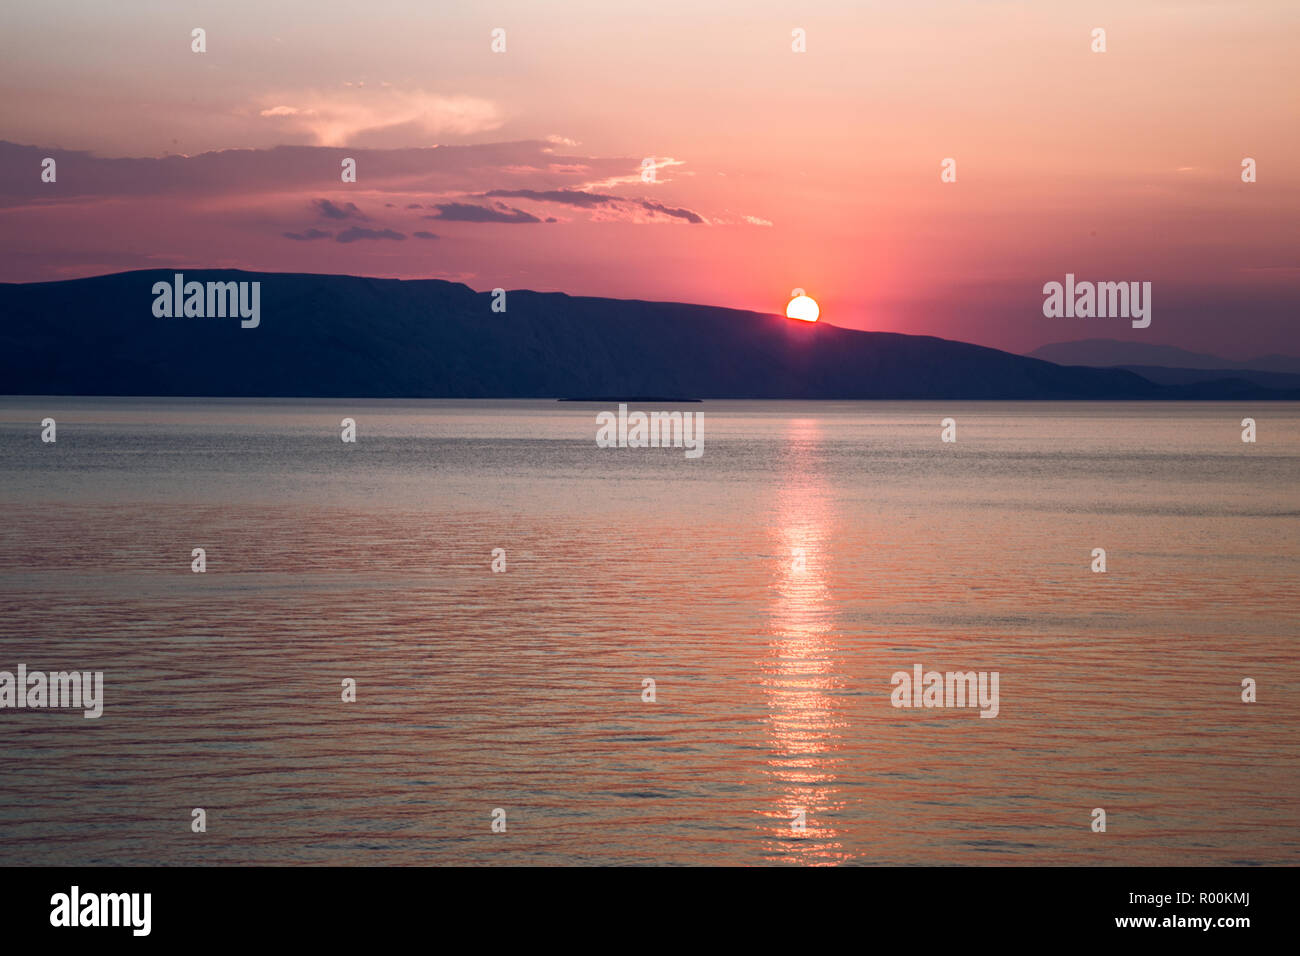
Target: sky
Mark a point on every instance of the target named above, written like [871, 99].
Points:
[772, 169]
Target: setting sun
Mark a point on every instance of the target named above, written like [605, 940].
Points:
[802, 307]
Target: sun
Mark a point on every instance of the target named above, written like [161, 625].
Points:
[802, 307]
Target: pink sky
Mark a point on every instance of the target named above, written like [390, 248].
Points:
[775, 169]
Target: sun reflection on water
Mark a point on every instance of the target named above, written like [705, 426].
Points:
[800, 673]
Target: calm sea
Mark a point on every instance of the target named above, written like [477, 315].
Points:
[523, 690]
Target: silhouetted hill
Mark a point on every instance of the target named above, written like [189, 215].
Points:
[1187, 376]
[344, 336]
[1113, 353]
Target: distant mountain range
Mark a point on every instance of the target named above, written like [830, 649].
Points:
[1170, 365]
[352, 337]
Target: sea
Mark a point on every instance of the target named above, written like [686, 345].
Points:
[473, 636]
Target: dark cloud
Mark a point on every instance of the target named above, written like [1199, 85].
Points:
[354, 233]
[331, 211]
[413, 205]
[467, 212]
[670, 211]
[570, 197]
[421, 234]
[586, 200]
[284, 170]
[308, 235]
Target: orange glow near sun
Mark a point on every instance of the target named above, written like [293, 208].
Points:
[802, 307]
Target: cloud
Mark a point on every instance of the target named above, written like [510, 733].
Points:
[354, 233]
[381, 116]
[307, 235]
[244, 204]
[756, 221]
[421, 234]
[650, 162]
[467, 212]
[586, 200]
[423, 175]
[330, 211]
[671, 211]
[570, 197]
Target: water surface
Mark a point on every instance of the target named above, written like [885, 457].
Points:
[523, 690]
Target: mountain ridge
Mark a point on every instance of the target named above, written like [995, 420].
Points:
[1120, 353]
[322, 335]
